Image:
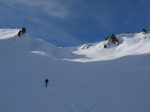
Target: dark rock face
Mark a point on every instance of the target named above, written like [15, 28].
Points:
[105, 46]
[22, 32]
[144, 30]
[87, 46]
[112, 38]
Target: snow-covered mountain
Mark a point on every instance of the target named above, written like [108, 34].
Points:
[113, 85]
[10, 42]
[129, 44]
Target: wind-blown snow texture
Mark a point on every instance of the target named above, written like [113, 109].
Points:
[118, 85]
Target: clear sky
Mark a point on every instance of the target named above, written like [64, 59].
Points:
[73, 22]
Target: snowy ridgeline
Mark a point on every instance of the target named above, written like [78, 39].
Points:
[129, 44]
[119, 85]
[10, 41]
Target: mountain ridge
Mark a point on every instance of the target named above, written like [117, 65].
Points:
[116, 85]
[128, 44]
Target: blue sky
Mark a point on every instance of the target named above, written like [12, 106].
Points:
[74, 22]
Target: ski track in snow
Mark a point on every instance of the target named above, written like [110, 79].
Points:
[94, 105]
[65, 99]
[123, 83]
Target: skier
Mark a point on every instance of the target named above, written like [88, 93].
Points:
[46, 82]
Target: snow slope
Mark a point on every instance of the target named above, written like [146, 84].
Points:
[8, 33]
[119, 85]
[11, 42]
[130, 44]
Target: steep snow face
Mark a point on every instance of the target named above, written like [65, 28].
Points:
[129, 44]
